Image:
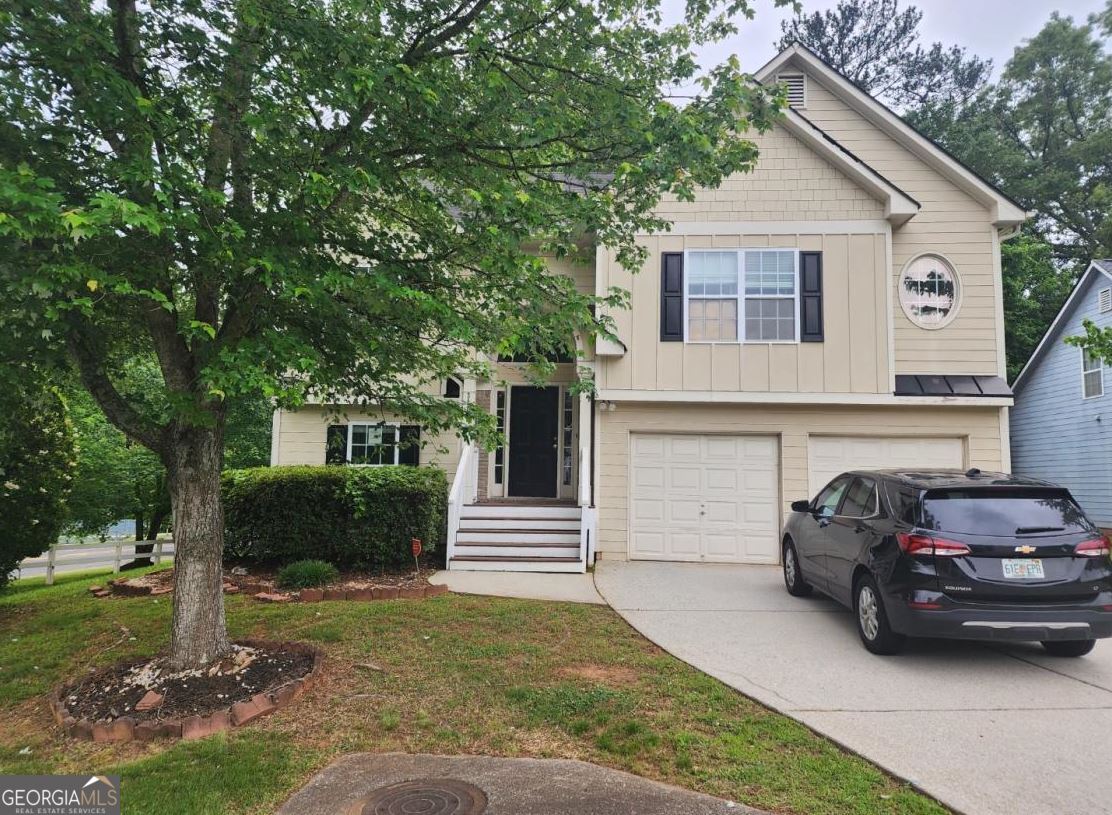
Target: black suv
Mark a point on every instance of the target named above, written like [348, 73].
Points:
[946, 553]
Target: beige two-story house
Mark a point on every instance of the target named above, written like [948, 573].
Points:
[839, 307]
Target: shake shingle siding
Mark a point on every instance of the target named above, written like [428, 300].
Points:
[1056, 434]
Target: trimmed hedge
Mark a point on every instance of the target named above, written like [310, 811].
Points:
[353, 517]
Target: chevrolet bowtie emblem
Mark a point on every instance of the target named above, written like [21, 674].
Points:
[1025, 549]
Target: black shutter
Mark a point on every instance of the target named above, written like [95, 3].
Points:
[409, 445]
[671, 297]
[336, 444]
[810, 297]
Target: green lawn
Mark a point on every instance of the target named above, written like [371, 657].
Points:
[462, 675]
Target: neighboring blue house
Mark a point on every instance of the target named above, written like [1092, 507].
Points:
[1062, 420]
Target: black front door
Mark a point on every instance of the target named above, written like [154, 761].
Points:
[534, 433]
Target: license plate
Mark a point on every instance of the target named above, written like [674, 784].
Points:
[1023, 569]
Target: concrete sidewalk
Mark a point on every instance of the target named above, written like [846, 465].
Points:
[567, 588]
[499, 786]
[986, 729]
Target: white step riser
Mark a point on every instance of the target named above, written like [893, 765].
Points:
[502, 511]
[518, 551]
[557, 524]
[493, 536]
[496, 566]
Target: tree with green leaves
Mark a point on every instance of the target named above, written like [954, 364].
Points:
[1034, 289]
[1043, 133]
[875, 44]
[36, 468]
[348, 198]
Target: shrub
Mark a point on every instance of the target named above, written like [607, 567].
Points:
[352, 517]
[306, 574]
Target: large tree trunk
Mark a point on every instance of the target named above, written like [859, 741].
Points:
[199, 634]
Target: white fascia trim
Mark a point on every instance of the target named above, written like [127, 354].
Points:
[1004, 212]
[898, 207]
[864, 226]
[772, 398]
[1082, 282]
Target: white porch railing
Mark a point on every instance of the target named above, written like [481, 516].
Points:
[588, 515]
[465, 489]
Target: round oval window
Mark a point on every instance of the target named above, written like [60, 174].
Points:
[929, 291]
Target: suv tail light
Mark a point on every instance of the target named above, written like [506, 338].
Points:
[926, 545]
[1098, 547]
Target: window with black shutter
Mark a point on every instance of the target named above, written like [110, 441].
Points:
[810, 297]
[336, 444]
[409, 447]
[671, 297]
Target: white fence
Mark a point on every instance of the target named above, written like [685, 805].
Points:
[69, 557]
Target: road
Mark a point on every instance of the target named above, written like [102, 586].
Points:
[85, 557]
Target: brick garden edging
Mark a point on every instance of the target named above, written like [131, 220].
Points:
[358, 595]
[125, 728]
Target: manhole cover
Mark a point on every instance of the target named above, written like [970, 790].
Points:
[427, 796]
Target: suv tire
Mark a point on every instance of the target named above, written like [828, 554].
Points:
[793, 574]
[1069, 648]
[872, 620]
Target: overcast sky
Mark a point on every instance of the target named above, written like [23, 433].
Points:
[988, 28]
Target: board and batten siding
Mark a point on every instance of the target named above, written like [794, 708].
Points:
[302, 434]
[1056, 434]
[978, 427]
[853, 358]
[950, 223]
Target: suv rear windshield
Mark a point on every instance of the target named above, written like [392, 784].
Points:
[1003, 512]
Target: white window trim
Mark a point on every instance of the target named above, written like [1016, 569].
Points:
[959, 292]
[1104, 296]
[1099, 369]
[741, 296]
[397, 441]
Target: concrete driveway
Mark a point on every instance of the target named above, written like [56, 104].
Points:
[986, 729]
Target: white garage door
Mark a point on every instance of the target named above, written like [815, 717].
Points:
[704, 498]
[833, 455]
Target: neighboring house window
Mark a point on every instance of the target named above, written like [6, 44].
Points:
[797, 89]
[1092, 376]
[451, 388]
[746, 295]
[1104, 298]
[929, 291]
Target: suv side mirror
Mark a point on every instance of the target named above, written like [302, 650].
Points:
[802, 505]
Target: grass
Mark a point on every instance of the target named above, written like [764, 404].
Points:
[461, 675]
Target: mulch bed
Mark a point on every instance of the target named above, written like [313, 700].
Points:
[262, 585]
[144, 699]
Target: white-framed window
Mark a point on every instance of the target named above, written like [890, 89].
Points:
[930, 291]
[372, 445]
[1092, 376]
[741, 295]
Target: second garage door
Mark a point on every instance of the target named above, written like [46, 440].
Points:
[830, 456]
[704, 498]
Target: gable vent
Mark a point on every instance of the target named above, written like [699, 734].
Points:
[1105, 300]
[797, 89]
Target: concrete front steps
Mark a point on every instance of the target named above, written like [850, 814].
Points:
[518, 537]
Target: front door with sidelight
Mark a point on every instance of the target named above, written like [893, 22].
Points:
[534, 441]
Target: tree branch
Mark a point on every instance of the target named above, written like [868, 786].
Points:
[87, 351]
